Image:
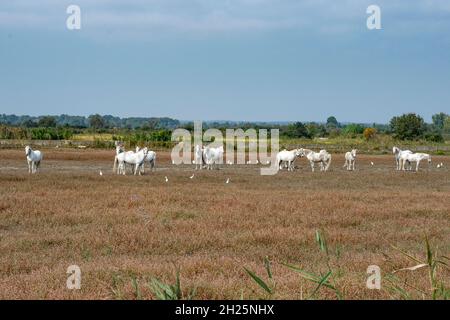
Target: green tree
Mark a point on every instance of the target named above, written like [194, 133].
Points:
[353, 129]
[332, 122]
[47, 122]
[297, 130]
[439, 119]
[408, 126]
[29, 124]
[315, 129]
[447, 124]
[96, 121]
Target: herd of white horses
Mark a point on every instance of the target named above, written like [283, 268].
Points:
[208, 157]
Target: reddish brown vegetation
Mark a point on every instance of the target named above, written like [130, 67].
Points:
[116, 228]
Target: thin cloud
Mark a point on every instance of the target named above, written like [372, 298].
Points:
[230, 16]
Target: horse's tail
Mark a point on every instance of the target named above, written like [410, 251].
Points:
[328, 164]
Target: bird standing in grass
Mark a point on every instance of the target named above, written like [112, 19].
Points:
[101, 173]
[228, 180]
[371, 163]
[191, 177]
[167, 180]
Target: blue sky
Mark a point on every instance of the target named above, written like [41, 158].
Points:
[261, 60]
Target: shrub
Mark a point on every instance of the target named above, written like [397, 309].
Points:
[434, 137]
[369, 133]
[408, 126]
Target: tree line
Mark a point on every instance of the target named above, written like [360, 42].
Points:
[408, 126]
[94, 121]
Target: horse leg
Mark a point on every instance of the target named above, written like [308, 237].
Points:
[29, 166]
[312, 165]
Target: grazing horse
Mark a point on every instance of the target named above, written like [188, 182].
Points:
[34, 159]
[213, 156]
[322, 157]
[198, 157]
[288, 157]
[350, 159]
[414, 157]
[133, 158]
[398, 154]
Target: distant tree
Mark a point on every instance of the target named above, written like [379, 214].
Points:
[332, 122]
[315, 129]
[434, 136]
[29, 124]
[369, 133]
[439, 119]
[47, 122]
[96, 121]
[297, 130]
[447, 124]
[153, 124]
[353, 129]
[408, 126]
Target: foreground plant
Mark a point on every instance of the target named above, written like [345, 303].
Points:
[321, 279]
[261, 283]
[163, 291]
[433, 262]
[326, 279]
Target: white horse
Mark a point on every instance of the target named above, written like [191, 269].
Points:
[34, 159]
[322, 157]
[350, 159]
[134, 158]
[150, 158]
[213, 156]
[119, 149]
[414, 157]
[198, 157]
[288, 157]
[398, 153]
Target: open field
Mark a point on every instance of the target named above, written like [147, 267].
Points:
[118, 228]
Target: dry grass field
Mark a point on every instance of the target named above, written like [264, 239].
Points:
[120, 228]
